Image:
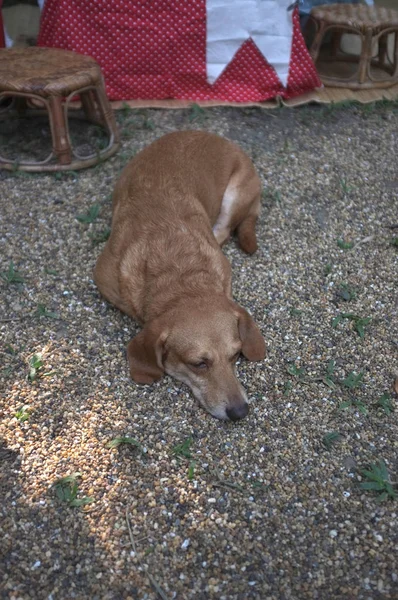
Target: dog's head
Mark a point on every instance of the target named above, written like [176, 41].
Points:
[198, 343]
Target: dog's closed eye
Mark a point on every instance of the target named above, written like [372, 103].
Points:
[202, 365]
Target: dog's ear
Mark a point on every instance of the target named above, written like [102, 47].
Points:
[145, 353]
[253, 344]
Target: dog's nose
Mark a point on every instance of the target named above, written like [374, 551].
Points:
[238, 411]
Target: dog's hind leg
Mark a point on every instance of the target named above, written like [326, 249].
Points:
[240, 209]
[247, 234]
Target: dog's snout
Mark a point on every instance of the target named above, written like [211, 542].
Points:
[237, 411]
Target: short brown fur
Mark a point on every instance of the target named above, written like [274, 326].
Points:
[175, 203]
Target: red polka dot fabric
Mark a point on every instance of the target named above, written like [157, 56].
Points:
[157, 50]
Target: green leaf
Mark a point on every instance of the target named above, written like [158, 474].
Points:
[295, 371]
[385, 403]
[196, 112]
[191, 470]
[117, 441]
[330, 367]
[35, 363]
[82, 501]
[346, 292]
[287, 388]
[91, 215]
[331, 438]
[352, 380]
[345, 405]
[382, 497]
[102, 236]
[68, 478]
[12, 275]
[345, 245]
[43, 312]
[382, 468]
[336, 321]
[22, 414]
[183, 449]
[360, 330]
[329, 383]
[372, 485]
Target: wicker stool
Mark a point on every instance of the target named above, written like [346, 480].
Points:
[373, 25]
[43, 81]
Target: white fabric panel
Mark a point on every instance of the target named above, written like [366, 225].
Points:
[231, 22]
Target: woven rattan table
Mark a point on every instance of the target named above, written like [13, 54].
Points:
[373, 68]
[44, 81]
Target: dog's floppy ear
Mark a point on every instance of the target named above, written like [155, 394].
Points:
[253, 344]
[145, 353]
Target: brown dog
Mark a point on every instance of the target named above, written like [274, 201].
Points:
[175, 203]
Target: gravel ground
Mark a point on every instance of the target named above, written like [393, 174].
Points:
[268, 508]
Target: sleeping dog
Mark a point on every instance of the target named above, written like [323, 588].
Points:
[174, 206]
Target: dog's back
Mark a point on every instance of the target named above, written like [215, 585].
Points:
[165, 204]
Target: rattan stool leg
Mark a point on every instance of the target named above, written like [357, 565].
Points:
[59, 131]
[395, 54]
[90, 107]
[317, 42]
[366, 56]
[107, 114]
[382, 53]
[336, 42]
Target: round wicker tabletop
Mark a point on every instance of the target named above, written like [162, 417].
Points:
[358, 16]
[46, 71]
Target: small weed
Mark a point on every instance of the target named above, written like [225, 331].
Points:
[287, 388]
[353, 381]
[22, 414]
[50, 271]
[295, 371]
[6, 371]
[394, 242]
[191, 470]
[100, 237]
[41, 311]
[66, 489]
[346, 292]
[259, 485]
[196, 113]
[328, 378]
[91, 215]
[355, 405]
[385, 402]
[183, 450]
[35, 364]
[295, 312]
[328, 269]
[359, 323]
[378, 480]
[118, 441]
[148, 124]
[126, 110]
[12, 275]
[345, 245]
[345, 187]
[273, 195]
[330, 439]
